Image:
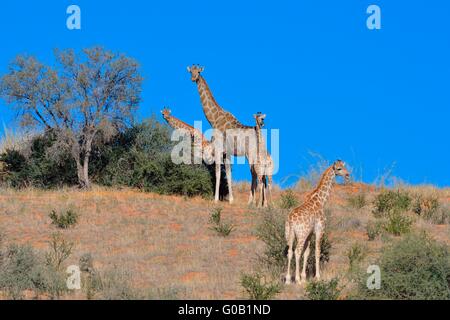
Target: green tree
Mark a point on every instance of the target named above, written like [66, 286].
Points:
[84, 100]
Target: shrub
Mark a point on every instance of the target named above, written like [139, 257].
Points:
[64, 220]
[429, 208]
[21, 268]
[374, 229]
[425, 207]
[223, 229]
[415, 267]
[257, 287]
[60, 251]
[288, 200]
[397, 223]
[356, 255]
[115, 284]
[358, 201]
[271, 231]
[388, 201]
[323, 290]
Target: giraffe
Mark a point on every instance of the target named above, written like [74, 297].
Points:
[264, 163]
[209, 154]
[309, 218]
[226, 124]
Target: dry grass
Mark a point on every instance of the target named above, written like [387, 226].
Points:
[165, 242]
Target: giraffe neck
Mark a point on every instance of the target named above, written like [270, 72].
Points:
[323, 189]
[175, 123]
[260, 143]
[217, 117]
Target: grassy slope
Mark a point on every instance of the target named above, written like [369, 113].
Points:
[165, 242]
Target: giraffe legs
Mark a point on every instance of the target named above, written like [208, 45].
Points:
[252, 199]
[301, 245]
[261, 199]
[319, 234]
[290, 237]
[229, 181]
[218, 174]
[268, 195]
[305, 258]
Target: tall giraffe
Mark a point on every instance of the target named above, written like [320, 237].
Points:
[209, 150]
[309, 218]
[264, 163]
[239, 139]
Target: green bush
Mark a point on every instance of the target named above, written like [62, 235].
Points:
[358, 201]
[43, 166]
[257, 287]
[137, 157]
[356, 255]
[64, 220]
[288, 200]
[325, 248]
[223, 229]
[415, 267]
[21, 268]
[323, 290]
[388, 201]
[430, 209]
[397, 223]
[374, 229]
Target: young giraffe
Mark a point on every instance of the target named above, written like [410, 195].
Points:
[309, 218]
[226, 123]
[264, 164]
[209, 154]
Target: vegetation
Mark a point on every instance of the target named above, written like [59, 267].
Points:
[82, 101]
[222, 228]
[388, 201]
[323, 290]
[358, 201]
[257, 287]
[415, 267]
[22, 269]
[356, 255]
[374, 229]
[64, 220]
[288, 200]
[397, 223]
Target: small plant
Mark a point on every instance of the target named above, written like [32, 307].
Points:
[288, 200]
[374, 229]
[257, 287]
[356, 255]
[388, 201]
[358, 201]
[398, 223]
[425, 207]
[323, 290]
[60, 251]
[65, 219]
[223, 229]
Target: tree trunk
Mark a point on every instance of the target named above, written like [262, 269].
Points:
[87, 182]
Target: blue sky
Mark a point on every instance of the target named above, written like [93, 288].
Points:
[333, 87]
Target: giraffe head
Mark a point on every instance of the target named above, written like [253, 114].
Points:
[166, 112]
[195, 71]
[259, 117]
[340, 170]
